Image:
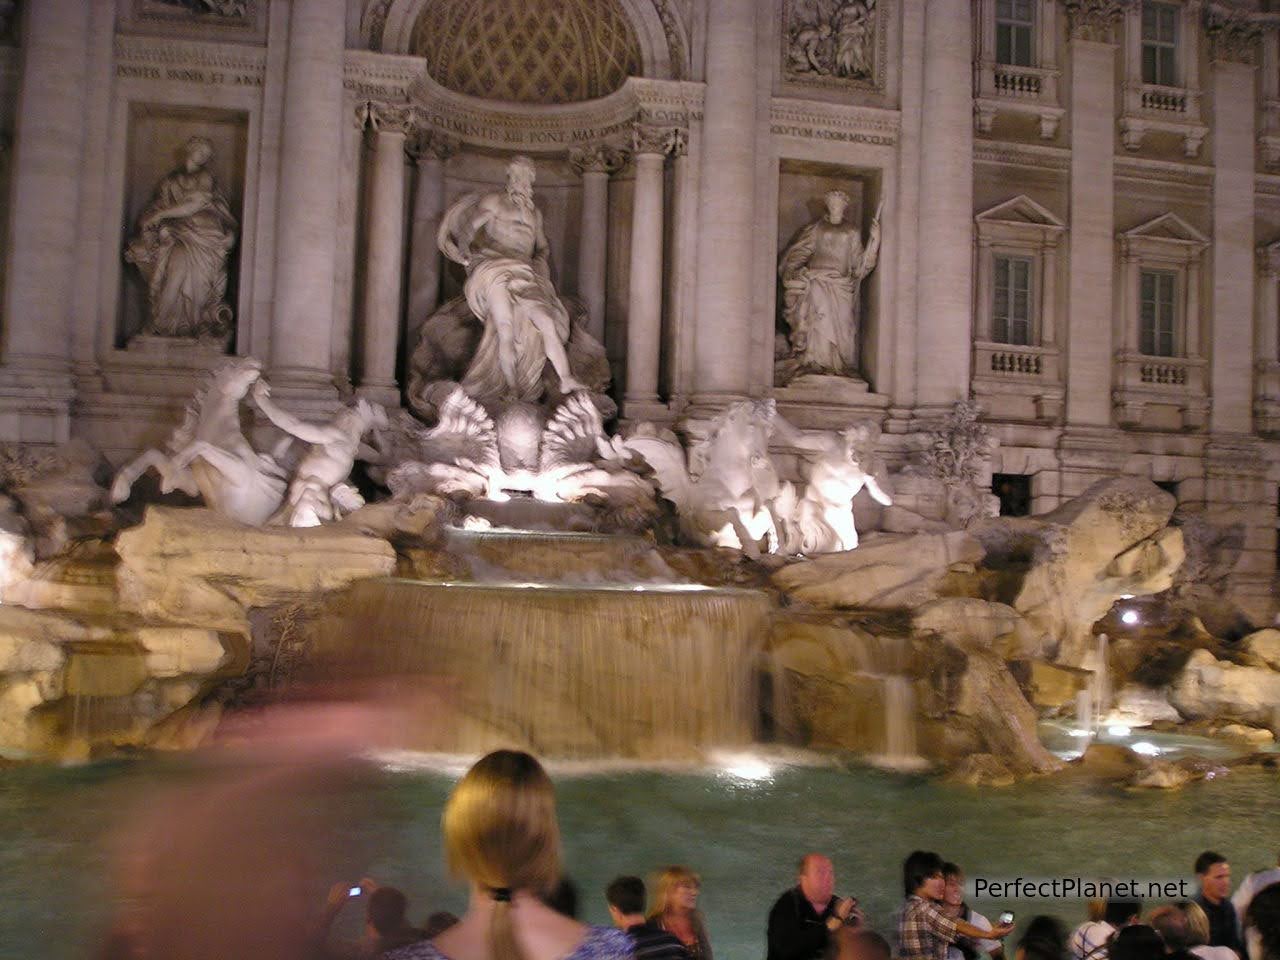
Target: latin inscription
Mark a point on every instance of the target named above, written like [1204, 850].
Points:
[217, 78]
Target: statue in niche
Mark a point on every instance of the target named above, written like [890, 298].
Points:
[499, 238]
[184, 240]
[831, 38]
[822, 272]
[217, 8]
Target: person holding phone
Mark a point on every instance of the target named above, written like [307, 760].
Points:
[804, 918]
[953, 905]
[924, 931]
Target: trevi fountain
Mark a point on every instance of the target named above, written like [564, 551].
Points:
[802, 422]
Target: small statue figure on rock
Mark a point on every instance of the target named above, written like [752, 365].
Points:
[184, 240]
[838, 467]
[822, 272]
[319, 491]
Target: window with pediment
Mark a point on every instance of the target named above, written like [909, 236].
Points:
[1015, 352]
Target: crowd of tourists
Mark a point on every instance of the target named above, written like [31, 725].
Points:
[502, 836]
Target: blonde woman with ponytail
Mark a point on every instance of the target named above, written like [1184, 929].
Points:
[501, 835]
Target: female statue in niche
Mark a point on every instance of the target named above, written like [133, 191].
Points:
[821, 273]
[184, 239]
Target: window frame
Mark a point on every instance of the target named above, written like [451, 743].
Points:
[1026, 29]
[1173, 303]
[1163, 74]
[1031, 321]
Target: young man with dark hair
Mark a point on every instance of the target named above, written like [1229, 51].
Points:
[924, 931]
[626, 909]
[1214, 874]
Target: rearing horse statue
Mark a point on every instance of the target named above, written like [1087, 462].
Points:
[208, 454]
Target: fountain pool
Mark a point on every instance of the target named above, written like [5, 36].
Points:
[742, 825]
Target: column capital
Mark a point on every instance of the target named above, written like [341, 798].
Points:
[426, 144]
[1095, 20]
[597, 158]
[1234, 36]
[391, 118]
[648, 138]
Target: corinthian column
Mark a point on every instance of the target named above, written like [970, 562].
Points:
[644, 300]
[49, 138]
[594, 164]
[310, 163]
[726, 206]
[945, 328]
[385, 273]
[430, 151]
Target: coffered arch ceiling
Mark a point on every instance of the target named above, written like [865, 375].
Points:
[532, 51]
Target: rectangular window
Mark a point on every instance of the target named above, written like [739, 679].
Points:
[1015, 28]
[1160, 43]
[1158, 313]
[1011, 303]
[1014, 491]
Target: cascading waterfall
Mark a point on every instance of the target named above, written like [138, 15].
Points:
[634, 671]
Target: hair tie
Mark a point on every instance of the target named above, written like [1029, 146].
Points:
[500, 894]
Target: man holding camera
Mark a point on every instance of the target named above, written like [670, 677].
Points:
[804, 918]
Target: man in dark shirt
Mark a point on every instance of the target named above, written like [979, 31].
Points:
[1214, 873]
[803, 919]
[626, 907]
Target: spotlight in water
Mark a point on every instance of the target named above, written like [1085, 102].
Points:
[1078, 733]
[1118, 730]
[1130, 617]
[743, 766]
[1146, 748]
[1126, 596]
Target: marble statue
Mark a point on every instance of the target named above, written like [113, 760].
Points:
[725, 491]
[821, 273]
[499, 238]
[318, 490]
[562, 458]
[184, 239]
[831, 38]
[959, 458]
[208, 454]
[218, 8]
[838, 466]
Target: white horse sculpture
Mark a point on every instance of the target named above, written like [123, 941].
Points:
[208, 454]
[724, 495]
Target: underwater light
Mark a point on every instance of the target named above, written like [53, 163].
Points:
[742, 766]
[1146, 748]
[1118, 730]
[1130, 617]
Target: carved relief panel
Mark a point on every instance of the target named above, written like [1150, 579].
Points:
[834, 43]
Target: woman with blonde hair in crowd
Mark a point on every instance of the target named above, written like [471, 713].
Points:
[1198, 934]
[675, 909]
[501, 834]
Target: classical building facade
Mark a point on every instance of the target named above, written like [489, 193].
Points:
[1077, 209]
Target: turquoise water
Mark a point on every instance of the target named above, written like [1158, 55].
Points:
[743, 835]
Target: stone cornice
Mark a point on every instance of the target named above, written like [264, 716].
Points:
[556, 128]
[1147, 170]
[381, 76]
[1022, 155]
[189, 61]
[819, 120]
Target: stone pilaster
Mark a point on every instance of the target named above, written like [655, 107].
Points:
[385, 272]
[945, 325]
[726, 206]
[430, 152]
[594, 164]
[1231, 85]
[1238, 494]
[1090, 448]
[307, 234]
[35, 377]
